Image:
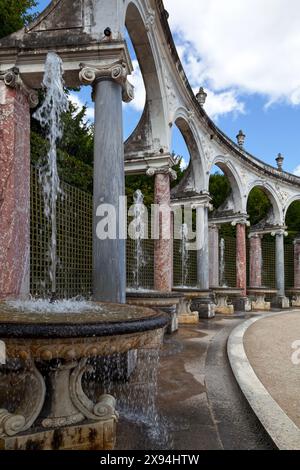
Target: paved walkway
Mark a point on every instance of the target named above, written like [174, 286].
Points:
[268, 345]
[199, 403]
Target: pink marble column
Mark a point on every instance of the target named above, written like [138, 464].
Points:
[297, 263]
[241, 258]
[14, 192]
[255, 260]
[163, 247]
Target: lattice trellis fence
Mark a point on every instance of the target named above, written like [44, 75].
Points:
[74, 276]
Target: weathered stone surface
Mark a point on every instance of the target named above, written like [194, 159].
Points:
[14, 193]
[86, 436]
[241, 255]
[163, 248]
[214, 262]
[297, 263]
[255, 261]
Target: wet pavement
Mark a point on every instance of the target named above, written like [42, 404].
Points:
[199, 404]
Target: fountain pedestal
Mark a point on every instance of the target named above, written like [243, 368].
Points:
[44, 394]
[223, 294]
[259, 294]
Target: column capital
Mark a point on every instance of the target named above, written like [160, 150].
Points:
[255, 235]
[12, 79]
[117, 71]
[280, 231]
[297, 241]
[162, 171]
[241, 221]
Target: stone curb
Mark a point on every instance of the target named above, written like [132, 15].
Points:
[282, 430]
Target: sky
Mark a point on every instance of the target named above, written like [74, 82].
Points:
[246, 54]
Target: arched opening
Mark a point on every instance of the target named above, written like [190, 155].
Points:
[261, 245]
[292, 247]
[146, 71]
[226, 200]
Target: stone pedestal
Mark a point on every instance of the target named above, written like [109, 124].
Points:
[255, 260]
[185, 314]
[14, 192]
[163, 246]
[214, 262]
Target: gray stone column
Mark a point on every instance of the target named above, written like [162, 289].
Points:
[204, 304]
[203, 251]
[109, 260]
[281, 301]
[214, 262]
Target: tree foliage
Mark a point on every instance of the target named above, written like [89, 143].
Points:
[14, 15]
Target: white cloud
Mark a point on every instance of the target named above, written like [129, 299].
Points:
[297, 171]
[218, 104]
[139, 89]
[250, 46]
[76, 100]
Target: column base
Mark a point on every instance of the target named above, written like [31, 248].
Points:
[242, 304]
[281, 302]
[85, 436]
[205, 307]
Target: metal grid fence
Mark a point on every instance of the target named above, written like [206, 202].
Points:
[74, 237]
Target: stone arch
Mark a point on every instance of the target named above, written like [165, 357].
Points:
[289, 203]
[231, 173]
[190, 136]
[270, 192]
[138, 23]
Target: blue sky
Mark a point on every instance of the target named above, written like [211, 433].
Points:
[248, 61]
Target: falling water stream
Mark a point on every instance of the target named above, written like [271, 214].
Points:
[184, 255]
[138, 212]
[222, 263]
[49, 117]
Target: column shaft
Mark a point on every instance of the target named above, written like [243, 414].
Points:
[297, 263]
[109, 257]
[214, 262]
[241, 258]
[163, 247]
[255, 261]
[14, 193]
[280, 274]
[203, 251]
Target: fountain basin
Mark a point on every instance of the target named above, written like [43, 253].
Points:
[195, 304]
[258, 296]
[223, 299]
[295, 294]
[43, 404]
[166, 302]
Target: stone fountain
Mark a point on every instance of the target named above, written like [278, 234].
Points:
[43, 403]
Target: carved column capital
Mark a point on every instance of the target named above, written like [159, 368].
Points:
[116, 71]
[13, 79]
[281, 232]
[241, 221]
[255, 235]
[162, 171]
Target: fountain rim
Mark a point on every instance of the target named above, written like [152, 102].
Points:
[10, 329]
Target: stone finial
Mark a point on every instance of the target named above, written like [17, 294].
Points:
[201, 96]
[241, 137]
[279, 161]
